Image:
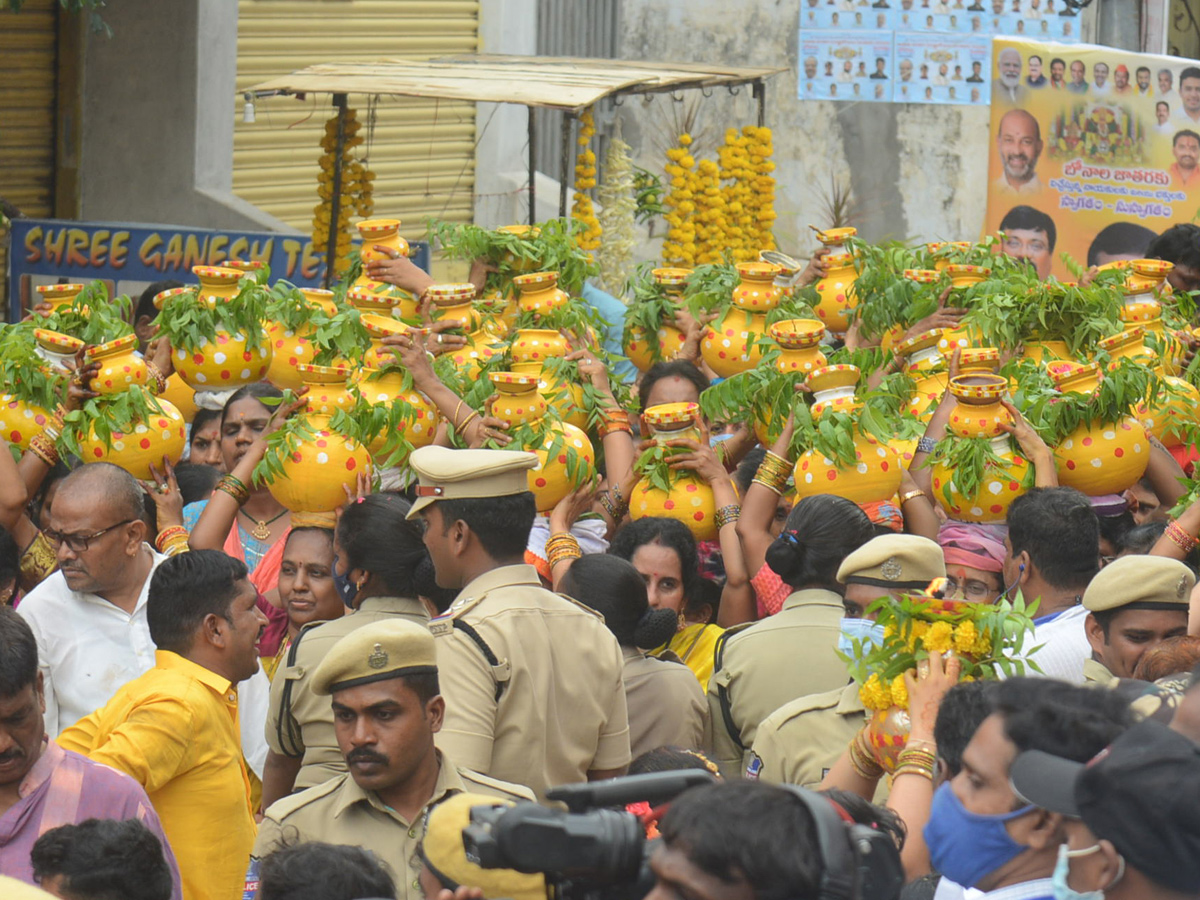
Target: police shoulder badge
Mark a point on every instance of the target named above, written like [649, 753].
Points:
[378, 658]
[754, 766]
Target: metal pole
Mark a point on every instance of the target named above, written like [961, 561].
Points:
[759, 90]
[564, 164]
[532, 165]
[335, 202]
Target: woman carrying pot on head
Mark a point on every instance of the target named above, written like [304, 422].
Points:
[666, 705]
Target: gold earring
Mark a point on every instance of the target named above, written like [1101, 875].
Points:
[682, 620]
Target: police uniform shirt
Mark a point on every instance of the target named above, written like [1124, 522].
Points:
[340, 812]
[561, 708]
[800, 741]
[666, 705]
[306, 727]
[764, 665]
[1095, 672]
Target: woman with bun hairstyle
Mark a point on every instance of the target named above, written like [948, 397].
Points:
[376, 555]
[663, 552]
[666, 705]
[762, 665]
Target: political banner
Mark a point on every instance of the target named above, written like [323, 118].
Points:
[846, 65]
[1094, 151]
[129, 256]
[942, 68]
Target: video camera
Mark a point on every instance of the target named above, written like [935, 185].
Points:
[593, 851]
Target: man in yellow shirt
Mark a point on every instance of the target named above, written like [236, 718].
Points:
[175, 728]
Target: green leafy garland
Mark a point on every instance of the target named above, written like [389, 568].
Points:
[185, 319]
[91, 316]
[288, 307]
[340, 336]
[650, 307]
[23, 373]
[970, 460]
[107, 415]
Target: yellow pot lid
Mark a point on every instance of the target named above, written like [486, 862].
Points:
[373, 297]
[520, 379]
[451, 294]
[382, 326]
[245, 265]
[979, 356]
[162, 297]
[979, 386]
[536, 280]
[1118, 264]
[217, 274]
[521, 230]
[311, 374]
[671, 277]
[1078, 377]
[960, 270]
[829, 236]
[672, 414]
[56, 341]
[120, 345]
[797, 333]
[538, 334]
[58, 291]
[922, 341]
[939, 246]
[373, 229]
[829, 377]
[325, 300]
[757, 271]
[922, 276]
[1135, 335]
[1152, 268]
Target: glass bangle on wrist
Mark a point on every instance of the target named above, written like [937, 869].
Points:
[926, 444]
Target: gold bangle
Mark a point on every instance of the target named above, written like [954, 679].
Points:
[44, 449]
[466, 421]
[911, 495]
[727, 515]
[159, 381]
[913, 770]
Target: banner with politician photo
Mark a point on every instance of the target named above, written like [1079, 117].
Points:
[846, 65]
[1094, 151]
[942, 68]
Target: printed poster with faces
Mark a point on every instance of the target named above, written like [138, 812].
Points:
[846, 65]
[941, 68]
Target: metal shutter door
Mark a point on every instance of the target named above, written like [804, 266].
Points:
[422, 153]
[27, 104]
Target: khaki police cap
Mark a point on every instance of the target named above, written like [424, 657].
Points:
[376, 652]
[892, 561]
[442, 851]
[447, 474]
[1140, 582]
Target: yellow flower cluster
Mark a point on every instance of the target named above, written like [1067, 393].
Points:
[585, 179]
[934, 637]
[749, 191]
[878, 694]
[679, 248]
[356, 188]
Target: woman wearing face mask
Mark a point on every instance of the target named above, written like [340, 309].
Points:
[666, 706]
[244, 521]
[376, 557]
[664, 553]
[306, 585]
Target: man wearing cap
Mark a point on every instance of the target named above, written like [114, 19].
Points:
[1133, 823]
[797, 742]
[383, 682]
[1134, 604]
[532, 679]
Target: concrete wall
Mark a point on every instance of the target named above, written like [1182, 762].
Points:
[157, 142]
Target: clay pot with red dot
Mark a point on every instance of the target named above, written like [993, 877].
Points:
[736, 341]
[121, 366]
[690, 499]
[146, 442]
[20, 421]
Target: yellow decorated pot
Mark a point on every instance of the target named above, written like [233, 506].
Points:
[800, 345]
[56, 348]
[254, 266]
[1098, 458]
[289, 348]
[530, 349]
[419, 428]
[217, 283]
[1170, 417]
[318, 471]
[945, 250]
[735, 343]
[834, 237]
[958, 339]
[925, 364]
[550, 480]
[121, 366]
[963, 277]
[181, 396]
[384, 233]
[835, 292]
[538, 292]
[384, 299]
[887, 736]
[224, 364]
[328, 390]
[690, 498]
[979, 359]
[875, 475]
[671, 281]
[147, 442]
[319, 298]
[517, 398]
[20, 421]
[832, 389]
[456, 303]
[379, 327]
[58, 295]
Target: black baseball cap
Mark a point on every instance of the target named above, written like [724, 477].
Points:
[1140, 793]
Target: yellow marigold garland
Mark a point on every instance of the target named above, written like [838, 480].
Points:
[736, 172]
[679, 247]
[762, 186]
[585, 180]
[356, 188]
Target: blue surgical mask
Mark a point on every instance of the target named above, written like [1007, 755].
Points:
[1062, 870]
[344, 586]
[869, 634]
[965, 846]
[719, 438]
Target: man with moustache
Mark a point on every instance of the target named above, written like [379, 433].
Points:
[1142, 77]
[1186, 147]
[1058, 68]
[1019, 145]
[383, 681]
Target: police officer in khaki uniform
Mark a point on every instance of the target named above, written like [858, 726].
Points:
[383, 678]
[303, 749]
[800, 738]
[532, 679]
[1134, 604]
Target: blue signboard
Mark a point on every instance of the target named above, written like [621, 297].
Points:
[116, 252]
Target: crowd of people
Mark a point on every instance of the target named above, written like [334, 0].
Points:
[205, 695]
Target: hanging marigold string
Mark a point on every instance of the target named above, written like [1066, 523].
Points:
[585, 179]
[762, 186]
[679, 248]
[356, 189]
